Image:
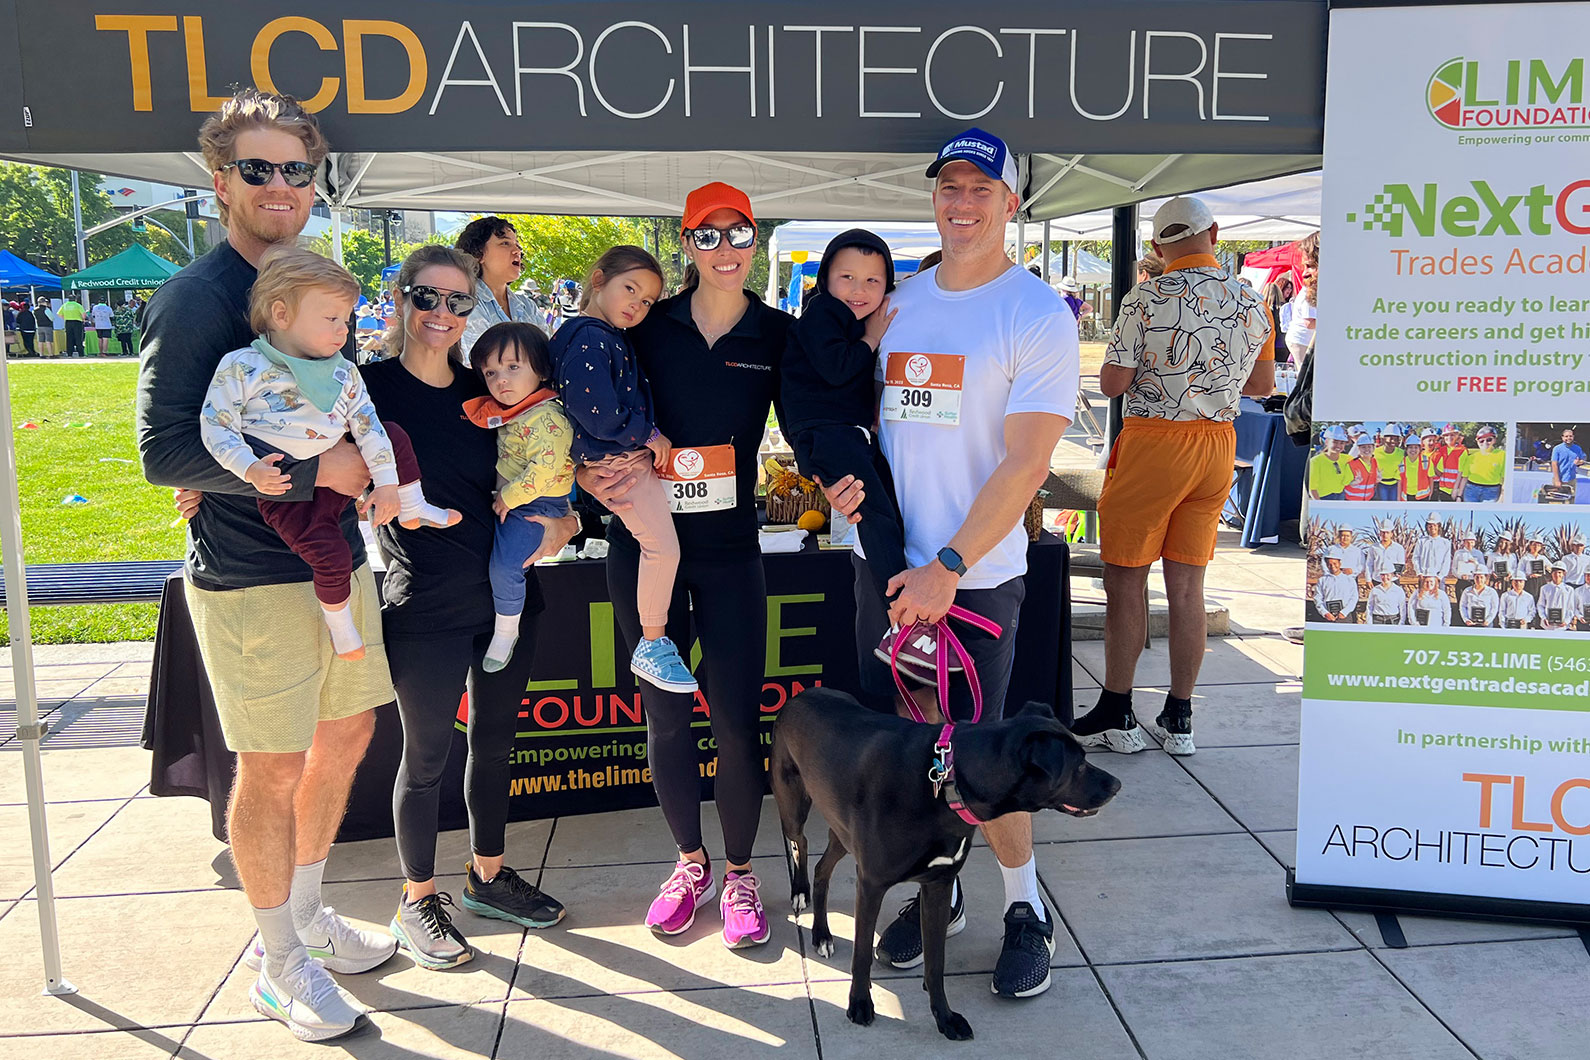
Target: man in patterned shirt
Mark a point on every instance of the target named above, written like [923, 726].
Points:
[1187, 346]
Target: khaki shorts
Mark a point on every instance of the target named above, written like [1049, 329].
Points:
[272, 672]
[1163, 493]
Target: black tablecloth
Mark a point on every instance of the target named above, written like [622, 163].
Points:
[581, 745]
[1273, 493]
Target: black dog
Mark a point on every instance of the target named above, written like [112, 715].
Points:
[867, 773]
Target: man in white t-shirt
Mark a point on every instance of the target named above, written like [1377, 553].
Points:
[980, 372]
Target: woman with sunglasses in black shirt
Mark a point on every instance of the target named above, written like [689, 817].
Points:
[438, 617]
[711, 354]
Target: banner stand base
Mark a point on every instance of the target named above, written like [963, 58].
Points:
[1428, 903]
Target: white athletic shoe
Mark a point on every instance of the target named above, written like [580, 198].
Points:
[337, 944]
[307, 999]
[1174, 733]
[1121, 741]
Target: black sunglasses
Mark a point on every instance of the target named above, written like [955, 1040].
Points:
[740, 236]
[258, 172]
[426, 298]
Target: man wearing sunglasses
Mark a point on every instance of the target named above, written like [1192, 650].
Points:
[298, 718]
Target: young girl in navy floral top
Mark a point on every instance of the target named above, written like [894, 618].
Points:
[609, 403]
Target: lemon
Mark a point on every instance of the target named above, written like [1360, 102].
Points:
[812, 520]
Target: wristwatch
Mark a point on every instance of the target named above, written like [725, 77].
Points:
[952, 561]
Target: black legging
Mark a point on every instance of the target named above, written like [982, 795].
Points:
[429, 676]
[730, 598]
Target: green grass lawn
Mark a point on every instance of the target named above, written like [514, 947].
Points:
[125, 517]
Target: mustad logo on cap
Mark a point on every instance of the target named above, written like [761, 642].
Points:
[982, 149]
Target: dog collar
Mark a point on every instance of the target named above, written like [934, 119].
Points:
[941, 773]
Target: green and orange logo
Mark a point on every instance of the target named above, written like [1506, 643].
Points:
[1517, 94]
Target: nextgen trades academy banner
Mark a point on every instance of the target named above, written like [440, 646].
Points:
[415, 75]
[1452, 757]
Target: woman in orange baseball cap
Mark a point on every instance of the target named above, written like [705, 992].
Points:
[712, 354]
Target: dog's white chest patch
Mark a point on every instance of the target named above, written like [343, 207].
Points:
[960, 852]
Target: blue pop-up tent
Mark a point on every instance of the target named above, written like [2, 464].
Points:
[16, 272]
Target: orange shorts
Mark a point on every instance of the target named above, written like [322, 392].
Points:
[1165, 487]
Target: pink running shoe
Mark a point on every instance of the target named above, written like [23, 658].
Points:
[744, 922]
[674, 909]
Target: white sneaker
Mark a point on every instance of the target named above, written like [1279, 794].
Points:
[1175, 734]
[307, 999]
[1121, 741]
[337, 944]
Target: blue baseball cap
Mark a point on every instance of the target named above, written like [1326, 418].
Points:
[984, 150]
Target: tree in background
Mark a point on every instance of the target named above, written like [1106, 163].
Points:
[36, 220]
[559, 248]
[363, 255]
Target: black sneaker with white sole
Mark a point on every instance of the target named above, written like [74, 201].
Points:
[1023, 966]
[900, 945]
[1115, 730]
[1174, 731]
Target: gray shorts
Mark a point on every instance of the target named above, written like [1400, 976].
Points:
[993, 657]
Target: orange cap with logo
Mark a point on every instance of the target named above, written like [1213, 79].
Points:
[715, 196]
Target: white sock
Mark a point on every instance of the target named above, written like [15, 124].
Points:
[1021, 885]
[280, 937]
[305, 895]
[412, 505]
[344, 634]
[504, 635]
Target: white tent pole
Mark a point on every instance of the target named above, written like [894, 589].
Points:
[772, 269]
[29, 731]
[1046, 250]
[336, 234]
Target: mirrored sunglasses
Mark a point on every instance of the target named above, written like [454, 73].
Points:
[426, 298]
[707, 238]
[258, 172]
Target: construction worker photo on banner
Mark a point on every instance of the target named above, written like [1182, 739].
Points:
[1449, 570]
[1433, 462]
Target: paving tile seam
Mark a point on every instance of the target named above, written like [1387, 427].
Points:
[209, 1002]
[1415, 995]
[1353, 946]
[1239, 830]
[1120, 1017]
[86, 839]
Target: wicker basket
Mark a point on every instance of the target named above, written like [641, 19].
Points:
[1033, 520]
[788, 507]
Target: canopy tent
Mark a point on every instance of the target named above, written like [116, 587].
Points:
[1084, 267]
[135, 268]
[629, 105]
[1108, 104]
[18, 272]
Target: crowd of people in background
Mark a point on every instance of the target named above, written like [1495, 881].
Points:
[31, 326]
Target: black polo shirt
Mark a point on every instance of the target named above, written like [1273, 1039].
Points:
[712, 396]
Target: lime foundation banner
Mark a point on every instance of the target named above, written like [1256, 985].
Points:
[1445, 761]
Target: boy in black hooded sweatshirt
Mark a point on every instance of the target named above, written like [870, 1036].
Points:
[831, 403]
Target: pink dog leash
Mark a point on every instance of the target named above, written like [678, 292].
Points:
[941, 772]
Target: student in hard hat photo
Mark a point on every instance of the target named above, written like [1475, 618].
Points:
[1517, 606]
[1418, 472]
[1481, 470]
[1361, 465]
[1479, 605]
[1388, 464]
[1388, 601]
[1327, 470]
[1336, 593]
